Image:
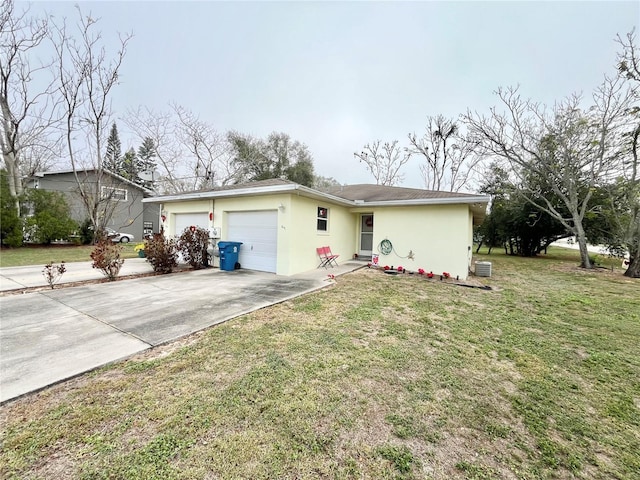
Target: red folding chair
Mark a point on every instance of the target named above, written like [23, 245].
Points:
[332, 259]
[324, 261]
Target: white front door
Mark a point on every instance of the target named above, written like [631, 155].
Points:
[258, 232]
[366, 235]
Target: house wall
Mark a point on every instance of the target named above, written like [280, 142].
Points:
[150, 213]
[128, 216]
[340, 236]
[298, 236]
[437, 235]
[193, 206]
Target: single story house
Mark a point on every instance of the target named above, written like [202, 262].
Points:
[281, 223]
[120, 199]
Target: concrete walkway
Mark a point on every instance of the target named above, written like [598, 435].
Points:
[52, 335]
[12, 278]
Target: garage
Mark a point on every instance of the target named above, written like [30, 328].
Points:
[185, 220]
[258, 232]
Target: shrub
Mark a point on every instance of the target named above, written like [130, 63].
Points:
[86, 232]
[52, 272]
[50, 220]
[106, 258]
[193, 245]
[10, 223]
[10, 228]
[161, 253]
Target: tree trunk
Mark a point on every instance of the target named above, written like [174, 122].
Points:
[581, 237]
[13, 179]
[633, 271]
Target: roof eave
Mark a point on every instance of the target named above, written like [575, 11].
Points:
[310, 192]
[425, 201]
[41, 174]
[243, 192]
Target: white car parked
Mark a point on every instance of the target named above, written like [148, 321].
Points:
[118, 236]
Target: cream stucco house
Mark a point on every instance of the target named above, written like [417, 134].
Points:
[282, 223]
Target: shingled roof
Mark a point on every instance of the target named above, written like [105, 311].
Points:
[347, 195]
[382, 193]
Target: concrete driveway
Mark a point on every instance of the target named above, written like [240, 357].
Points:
[52, 335]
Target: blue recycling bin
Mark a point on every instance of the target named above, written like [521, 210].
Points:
[229, 252]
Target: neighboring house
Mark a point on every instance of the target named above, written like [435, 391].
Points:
[121, 198]
[282, 223]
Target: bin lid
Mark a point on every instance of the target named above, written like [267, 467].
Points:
[226, 244]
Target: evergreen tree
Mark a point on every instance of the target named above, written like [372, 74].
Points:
[113, 156]
[147, 154]
[277, 157]
[130, 166]
[146, 160]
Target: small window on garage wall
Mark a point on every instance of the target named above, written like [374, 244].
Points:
[323, 219]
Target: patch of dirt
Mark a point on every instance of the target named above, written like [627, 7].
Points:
[471, 282]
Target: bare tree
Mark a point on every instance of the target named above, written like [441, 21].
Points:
[87, 78]
[190, 153]
[572, 149]
[146, 123]
[209, 151]
[450, 158]
[629, 70]
[27, 96]
[384, 161]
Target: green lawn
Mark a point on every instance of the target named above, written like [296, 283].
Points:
[379, 376]
[41, 255]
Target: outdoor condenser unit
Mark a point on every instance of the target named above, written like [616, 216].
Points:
[483, 269]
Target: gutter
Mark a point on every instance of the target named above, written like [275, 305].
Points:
[423, 201]
[242, 192]
[309, 192]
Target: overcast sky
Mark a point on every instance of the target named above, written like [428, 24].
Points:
[338, 75]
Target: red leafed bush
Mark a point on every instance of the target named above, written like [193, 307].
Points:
[106, 258]
[193, 245]
[161, 253]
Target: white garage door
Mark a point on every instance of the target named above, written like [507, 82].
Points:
[185, 220]
[258, 232]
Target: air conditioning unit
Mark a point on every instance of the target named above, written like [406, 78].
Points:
[483, 269]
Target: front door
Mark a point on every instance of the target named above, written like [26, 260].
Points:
[366, 235]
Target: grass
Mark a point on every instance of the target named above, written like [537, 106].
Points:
[386, 377]
[41, 255]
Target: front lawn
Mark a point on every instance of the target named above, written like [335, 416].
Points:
[41, 255]
[377, 377]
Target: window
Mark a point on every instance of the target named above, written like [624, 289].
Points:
[111, 193]
[323, 219]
